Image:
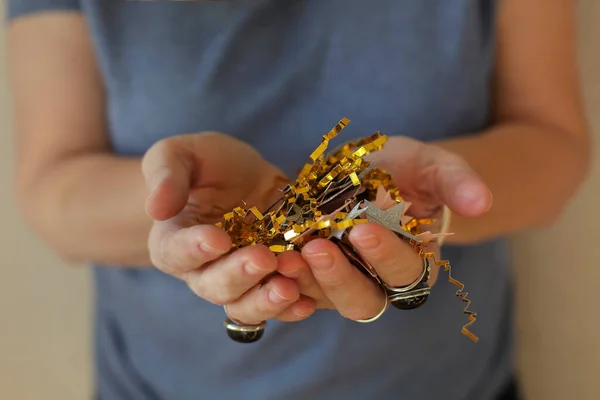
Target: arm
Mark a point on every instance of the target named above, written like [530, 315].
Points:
[536, 155]
[65, 172]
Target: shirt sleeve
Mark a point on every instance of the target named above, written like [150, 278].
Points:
[18, 8]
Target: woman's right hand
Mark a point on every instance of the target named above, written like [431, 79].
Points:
[193, 180]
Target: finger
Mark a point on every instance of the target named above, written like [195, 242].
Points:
[177, 250]
[167, 168]
[353, 294]
[292, 265]
[226, 279]
[265, 302]
[432, 173]
[298, 311]
[395, 261]
[461, 189]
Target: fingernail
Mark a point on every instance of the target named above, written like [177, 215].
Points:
[253, 269]
[291, 273]
[276, 297]
[303, 313]
[367, 241]
[473, 195]
[467, 192]
[147, 206]
[481, 204]
[155, 180]
[320, 260]
[491, 201]
[207, 248]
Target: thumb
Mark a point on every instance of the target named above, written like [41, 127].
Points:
[461, 189]
[167, 169]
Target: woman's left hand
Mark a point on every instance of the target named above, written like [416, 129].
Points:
[427, 176]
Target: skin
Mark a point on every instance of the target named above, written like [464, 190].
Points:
[533, 159]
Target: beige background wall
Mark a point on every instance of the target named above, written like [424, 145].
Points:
[44, 330]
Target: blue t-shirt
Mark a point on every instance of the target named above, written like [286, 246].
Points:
[278, 74]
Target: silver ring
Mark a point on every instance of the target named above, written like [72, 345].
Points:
[414, 295]
[239, 326]
[383, 310]
[424, 277]
[229, 316]
[243, 333]
[232, 325]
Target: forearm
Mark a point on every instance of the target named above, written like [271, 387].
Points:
[532, 172]
[90, 208]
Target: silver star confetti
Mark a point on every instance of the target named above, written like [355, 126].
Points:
[390, 218]
[354, 213]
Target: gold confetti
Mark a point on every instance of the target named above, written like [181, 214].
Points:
[332, 194]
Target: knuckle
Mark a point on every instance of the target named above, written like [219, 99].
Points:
[391, 265]
[262, 308]
[233, 313]
[244, 317]
[155, 260]
[188, 254]
[210, 293]
[457, 160]
[331, 281]
[380, 255]
[452, 159]
[288, 317]
[405, 277]
[253, 265]
[159, 258]
[334, 277]
[324, 303]
[391, 270]
[222, 296]
[263, 256]
[175, 254]
[198, 288]
[165, 258]
[328, 270]
[154, 248]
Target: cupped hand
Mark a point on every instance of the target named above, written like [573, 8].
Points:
[193, 180]
[427, 176]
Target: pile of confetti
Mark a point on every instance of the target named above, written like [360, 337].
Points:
[332, 194]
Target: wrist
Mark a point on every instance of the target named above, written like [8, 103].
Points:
[90, 208]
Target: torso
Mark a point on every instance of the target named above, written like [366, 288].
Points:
[278, 74]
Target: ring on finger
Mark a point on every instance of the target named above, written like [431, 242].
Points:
[414, 295]
[383, 310]
[243, 333]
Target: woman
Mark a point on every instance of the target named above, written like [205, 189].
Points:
[192, 107]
